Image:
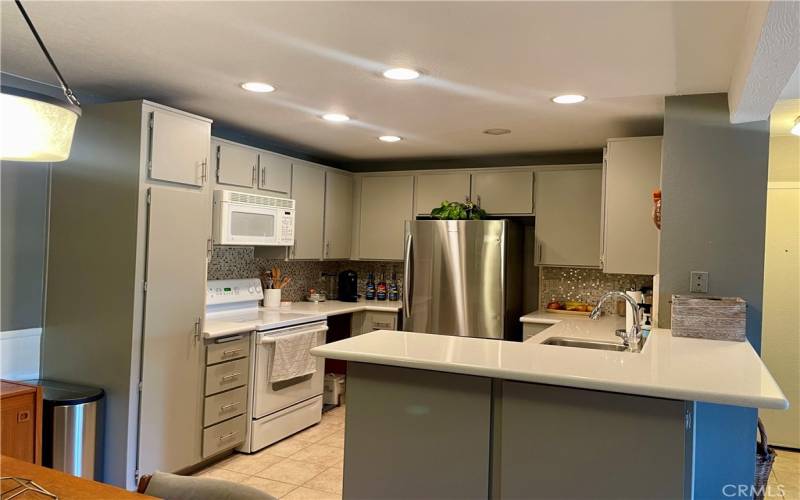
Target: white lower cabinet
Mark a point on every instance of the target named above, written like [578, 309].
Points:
[308, 191]
[387, 202]
[225, 401]
[568, 217]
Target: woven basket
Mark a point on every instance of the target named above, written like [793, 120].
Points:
[765, 456]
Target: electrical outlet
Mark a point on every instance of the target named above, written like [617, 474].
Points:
[698, 282]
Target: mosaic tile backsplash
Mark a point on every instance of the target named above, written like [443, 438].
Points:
[234, 262]
[585, 285]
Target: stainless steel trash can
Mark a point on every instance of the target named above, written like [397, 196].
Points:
[72, 428]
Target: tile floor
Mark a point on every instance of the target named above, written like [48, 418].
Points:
[784, 482]
[309, 465]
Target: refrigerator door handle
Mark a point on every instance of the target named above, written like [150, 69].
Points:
[407, 277]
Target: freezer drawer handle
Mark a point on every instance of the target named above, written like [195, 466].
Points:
[231, 352]
[232, 376]
[228, 435]
[229, 406]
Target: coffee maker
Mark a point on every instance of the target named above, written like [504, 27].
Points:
[348, 286]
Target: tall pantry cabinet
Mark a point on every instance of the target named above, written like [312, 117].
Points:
[130, 227]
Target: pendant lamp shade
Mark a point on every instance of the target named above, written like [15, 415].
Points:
[35, 127]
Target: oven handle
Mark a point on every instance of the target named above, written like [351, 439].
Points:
[264, 338]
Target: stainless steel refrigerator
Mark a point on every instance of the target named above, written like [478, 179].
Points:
[463, 278]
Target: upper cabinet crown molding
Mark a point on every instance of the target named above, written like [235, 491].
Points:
[631, 171]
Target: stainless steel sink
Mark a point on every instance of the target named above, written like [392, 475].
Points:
[585, 344]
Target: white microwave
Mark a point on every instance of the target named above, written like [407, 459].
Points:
[250, 219]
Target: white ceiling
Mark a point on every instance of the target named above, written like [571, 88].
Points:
[486, 65]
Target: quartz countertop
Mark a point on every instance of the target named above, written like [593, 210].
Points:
[233, 322]
[668, 367]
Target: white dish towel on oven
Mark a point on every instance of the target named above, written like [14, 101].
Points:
[292, 357]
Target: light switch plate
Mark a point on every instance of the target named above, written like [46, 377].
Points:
[698, 282]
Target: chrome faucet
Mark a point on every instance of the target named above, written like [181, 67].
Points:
[633, 338]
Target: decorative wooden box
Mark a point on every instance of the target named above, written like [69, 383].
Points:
[715, 318]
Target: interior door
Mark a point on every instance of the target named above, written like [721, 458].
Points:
[236, 165]
[179, 147]
[171, 397]
[338, 215]
[456, 282]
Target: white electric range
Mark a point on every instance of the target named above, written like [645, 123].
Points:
[274, 410]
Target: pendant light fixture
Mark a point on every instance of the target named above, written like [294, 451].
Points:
[36, 127]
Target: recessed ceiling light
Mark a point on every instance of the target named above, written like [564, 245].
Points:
[569, 99]
[390, 138]
[335, 117]
[401, 74]
[497, 131]
[258, 87]
[796, 128]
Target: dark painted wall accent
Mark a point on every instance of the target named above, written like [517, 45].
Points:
[506, 160]
[261, 141]
[23, 240]
[714, 186]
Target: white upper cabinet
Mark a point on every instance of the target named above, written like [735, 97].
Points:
[434, 188]
[632, 172]
[308, 191]
[338, 215]
[568, 217]
[178, 147]
[387, 202]
[236, 165]
[509, 192]
[275, 174]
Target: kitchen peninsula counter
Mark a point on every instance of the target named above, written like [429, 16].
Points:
[477, 418]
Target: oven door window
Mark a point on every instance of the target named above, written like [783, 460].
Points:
[259, 225]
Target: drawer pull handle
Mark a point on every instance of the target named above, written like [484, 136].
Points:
[232, 376]
[23, 416]
[231, 352]
[227, 436]
[228, 406]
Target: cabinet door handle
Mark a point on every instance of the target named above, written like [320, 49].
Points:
[253, 180]
[231, 352]
[227, 436]
[228, 406]
[204, 172]
[232, 376]
[479, 200]
[327, 249]
[263, 181]
[538, 253]
[196, 334]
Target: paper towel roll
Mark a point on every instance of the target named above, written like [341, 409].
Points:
[636, 295]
